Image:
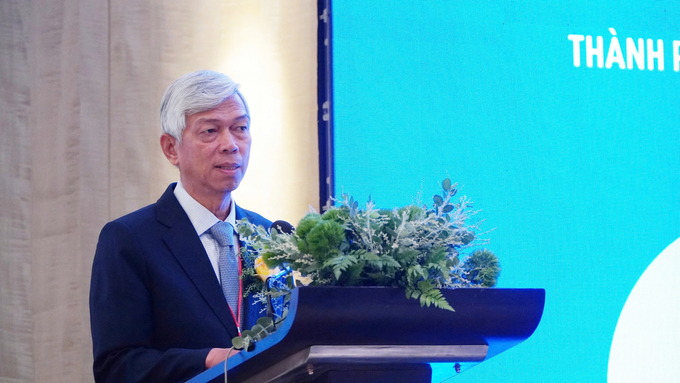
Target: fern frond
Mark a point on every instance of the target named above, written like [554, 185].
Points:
[434, 297]
[415, 273]
[340, 264]
[388, 261]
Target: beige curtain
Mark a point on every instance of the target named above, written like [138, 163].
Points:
[80, 84]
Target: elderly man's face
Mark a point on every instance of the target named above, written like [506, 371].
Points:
[214, 152]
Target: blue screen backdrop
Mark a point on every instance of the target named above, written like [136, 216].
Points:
[575, 168]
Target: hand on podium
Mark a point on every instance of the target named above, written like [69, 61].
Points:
[218, 355]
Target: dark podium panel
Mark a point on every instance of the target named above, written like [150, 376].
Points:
[376, 334]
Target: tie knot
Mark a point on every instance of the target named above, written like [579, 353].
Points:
[223, 233]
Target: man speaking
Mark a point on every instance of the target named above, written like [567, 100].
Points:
[166, 297]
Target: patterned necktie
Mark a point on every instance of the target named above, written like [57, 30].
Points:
[228, 263]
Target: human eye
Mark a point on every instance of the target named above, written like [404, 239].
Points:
[240, 129]
[208, 132]
[209, 129]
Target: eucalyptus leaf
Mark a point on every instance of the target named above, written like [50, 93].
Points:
[446, 185]
[265, 322]
[238, 343]
[257, 331]
[438, 200]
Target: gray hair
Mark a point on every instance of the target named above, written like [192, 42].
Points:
[194, 93]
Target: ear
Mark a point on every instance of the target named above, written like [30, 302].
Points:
[170, 146]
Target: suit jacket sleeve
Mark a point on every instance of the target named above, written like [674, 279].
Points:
[122, 317]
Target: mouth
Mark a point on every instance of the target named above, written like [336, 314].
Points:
[228, 166]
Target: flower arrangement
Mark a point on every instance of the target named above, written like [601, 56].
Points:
[417, 248]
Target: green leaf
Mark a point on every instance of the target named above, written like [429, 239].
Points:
[389, 261]
[340, 264]
[423, 301]
[424, 286]
[438, 201]
[447, 209]
[415, 273]
[381, 279]
[446, 185]
[455, 261]
[370, 257]
[435, 297]
[238, 343]
[259, 331]
[467, 237]
[266, 322]
[412, 293]
[354, 274]
[440, 268]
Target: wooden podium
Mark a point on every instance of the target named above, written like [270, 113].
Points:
[375, 334]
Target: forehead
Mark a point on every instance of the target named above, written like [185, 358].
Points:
[230, 111]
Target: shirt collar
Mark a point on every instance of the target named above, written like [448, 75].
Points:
[201, 218]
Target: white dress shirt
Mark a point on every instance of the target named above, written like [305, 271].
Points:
[203, 219]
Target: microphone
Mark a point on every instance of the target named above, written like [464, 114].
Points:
[270, 281]
[282, 227]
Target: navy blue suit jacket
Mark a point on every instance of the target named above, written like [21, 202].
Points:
[156, 306]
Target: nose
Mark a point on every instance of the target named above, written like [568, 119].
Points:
[227, 142]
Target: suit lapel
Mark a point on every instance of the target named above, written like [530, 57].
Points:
[187, 248]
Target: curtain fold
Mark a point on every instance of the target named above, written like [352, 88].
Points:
[16, 321]
[80, 86]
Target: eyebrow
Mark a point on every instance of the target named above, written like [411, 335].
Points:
[210, 120]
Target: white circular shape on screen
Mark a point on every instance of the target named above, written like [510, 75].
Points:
[646, 344]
